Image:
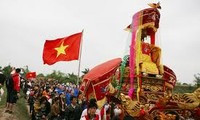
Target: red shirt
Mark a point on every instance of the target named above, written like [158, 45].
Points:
[16, 81]
[96, 117]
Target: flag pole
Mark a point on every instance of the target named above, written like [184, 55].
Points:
[79, 65]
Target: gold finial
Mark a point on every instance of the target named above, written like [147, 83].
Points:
[155, 5]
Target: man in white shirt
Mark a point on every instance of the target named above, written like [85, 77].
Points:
[84, 113]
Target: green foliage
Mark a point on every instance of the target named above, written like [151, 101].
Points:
[40, 75]
[21, 108]
[25, 70]
[184, 89]
[178, 83]
[3, 99]
[197, 79]
[62, 77]
[7, 70]
[73, 78]
[187, 88]
[85, 71]
[185, 84]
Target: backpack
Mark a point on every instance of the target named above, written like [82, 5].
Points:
[9, 82]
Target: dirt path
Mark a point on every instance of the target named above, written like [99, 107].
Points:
[17, 114]
[7, 116]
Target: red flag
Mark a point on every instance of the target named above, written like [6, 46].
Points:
[101, 89]
[30, 75]
[62, 49]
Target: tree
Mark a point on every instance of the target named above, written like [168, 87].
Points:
[40, 75]
[73, 78]
[7, 70]
[197, 79]
[85, 71]
[185, 84]
[62, 77]
[57, 75]
[178, 83]
[25, 69]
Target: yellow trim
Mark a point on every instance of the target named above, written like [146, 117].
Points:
[138, 50]
[100, 103]
[148, 25]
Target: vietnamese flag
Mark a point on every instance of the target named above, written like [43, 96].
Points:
[62, 49]
[30, 75]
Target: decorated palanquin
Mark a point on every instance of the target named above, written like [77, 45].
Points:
[151, 83]
[142, 83]
[149, 78]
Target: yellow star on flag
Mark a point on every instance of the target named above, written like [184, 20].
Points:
[61, 49]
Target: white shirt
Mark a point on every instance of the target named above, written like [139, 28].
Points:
[84, 113]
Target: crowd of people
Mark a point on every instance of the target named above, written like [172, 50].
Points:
[57, 101]
[52, 100]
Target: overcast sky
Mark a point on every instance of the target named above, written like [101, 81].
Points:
[26, 24]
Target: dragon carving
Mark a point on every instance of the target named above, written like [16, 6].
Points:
[131, 107]
[190, 100]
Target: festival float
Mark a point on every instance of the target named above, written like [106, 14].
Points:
[142, 84]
